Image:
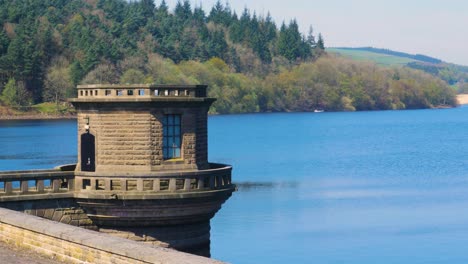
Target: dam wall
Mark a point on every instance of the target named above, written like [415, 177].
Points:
[77, 245]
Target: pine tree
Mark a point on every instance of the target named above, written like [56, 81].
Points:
[4, 42]
[320, 42]
[311, 38]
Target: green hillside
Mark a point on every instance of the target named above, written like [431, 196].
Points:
[378, 58]
[455, 75]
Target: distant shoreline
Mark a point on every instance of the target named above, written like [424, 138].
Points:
[462, 99]
[36, 117]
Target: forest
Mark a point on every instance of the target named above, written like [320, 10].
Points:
[250, 63]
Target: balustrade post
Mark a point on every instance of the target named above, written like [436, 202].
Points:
[8, 187]
[156, 185]
[55, 185]
[187, 184]
[172, 184]
[107, 183]
[201, 183]
[93, 184]
[140, 185]
[24, 187]
[71, 184]
[40, 185]
[123, 183]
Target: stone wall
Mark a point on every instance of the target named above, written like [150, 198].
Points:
[65, 211]
[76, 245]
[132, 140]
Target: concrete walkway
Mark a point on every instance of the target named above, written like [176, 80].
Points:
[12, 254]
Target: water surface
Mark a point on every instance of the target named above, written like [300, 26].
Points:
[366, 187]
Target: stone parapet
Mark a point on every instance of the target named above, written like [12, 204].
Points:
[139, 91]
[36, 184]
[75, 245]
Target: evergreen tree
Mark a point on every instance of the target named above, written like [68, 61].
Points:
[4, 42]
[311, 38]
[320, 43]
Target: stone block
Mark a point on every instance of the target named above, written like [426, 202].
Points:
[49, 213]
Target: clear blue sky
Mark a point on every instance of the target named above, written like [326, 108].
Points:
[437, 28]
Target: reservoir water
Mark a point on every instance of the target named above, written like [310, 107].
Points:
[364, 187]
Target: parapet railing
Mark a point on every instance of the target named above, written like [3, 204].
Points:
[140, 91]
[217, 177]
[15, 183]
[64, 181]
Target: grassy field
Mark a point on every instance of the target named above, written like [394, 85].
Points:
[381, 59]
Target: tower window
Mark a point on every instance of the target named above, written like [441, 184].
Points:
[171, 137]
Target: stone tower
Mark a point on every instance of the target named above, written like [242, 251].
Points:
[143, 169]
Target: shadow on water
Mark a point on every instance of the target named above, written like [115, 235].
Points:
[252, 186]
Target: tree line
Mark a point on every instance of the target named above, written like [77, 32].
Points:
[250, 64]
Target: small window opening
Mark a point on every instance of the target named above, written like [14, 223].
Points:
[100, 185]
[116, 185]
[96, 92]
[206, 182]
[47, 184]
[64, 184]
[156, 92]
[193, 184]
[107, 93]
[32, 185]
[166, 92]
[81, 93]
[119, 92]
[164, 185]
[86, 184]
[131, 185]
[141, 92]
[16, 185]
[180, 184]
[129, 92]
[147, 185]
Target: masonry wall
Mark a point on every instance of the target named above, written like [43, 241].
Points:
[131, 140]
[76, 245]
[65, 211]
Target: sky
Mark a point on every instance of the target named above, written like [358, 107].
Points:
[437, 28]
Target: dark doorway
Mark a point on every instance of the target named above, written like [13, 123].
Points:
[88, 158]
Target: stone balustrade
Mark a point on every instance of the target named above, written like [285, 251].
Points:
[139, 91]
[64, 182]
[217, 177]
[19, 185]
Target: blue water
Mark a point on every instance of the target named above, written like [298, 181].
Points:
[367, 187]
